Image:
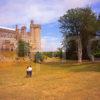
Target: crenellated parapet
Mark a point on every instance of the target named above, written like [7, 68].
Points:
[33, 37]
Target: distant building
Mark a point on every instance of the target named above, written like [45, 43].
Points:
[9, 37]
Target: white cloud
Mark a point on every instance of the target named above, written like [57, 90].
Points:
[42, 11]
[50, 43]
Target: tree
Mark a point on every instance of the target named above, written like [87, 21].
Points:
[96, 48]
[71, 52]
[23, 48]
[58, 53]
[93, 47]
[81, 22]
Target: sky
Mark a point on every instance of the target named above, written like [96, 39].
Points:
[44, 12]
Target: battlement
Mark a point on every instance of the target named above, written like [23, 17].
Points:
[5, 28]
[37, 26]
[13, 35]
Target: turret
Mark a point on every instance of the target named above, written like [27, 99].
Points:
[23, 30]
[17, 33]
[32, 30]
[16, 27]
[32, 26]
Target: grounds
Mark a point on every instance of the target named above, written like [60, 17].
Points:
[51, 80]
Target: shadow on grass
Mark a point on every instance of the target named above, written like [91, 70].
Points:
[87, 68]
[75, 67]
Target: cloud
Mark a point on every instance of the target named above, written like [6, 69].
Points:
[42, 11]
[49, 43]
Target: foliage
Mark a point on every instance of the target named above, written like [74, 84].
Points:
[58, 53]
[71, 52]
[48, 54]
[81, 22]
[96, 48]
[39, 57]
[23, 48]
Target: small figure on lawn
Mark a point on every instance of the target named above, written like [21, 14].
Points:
[29, 71]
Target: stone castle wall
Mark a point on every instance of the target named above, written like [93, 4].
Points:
[9, 38]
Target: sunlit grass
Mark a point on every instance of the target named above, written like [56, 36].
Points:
[52, 80]
[8, 54]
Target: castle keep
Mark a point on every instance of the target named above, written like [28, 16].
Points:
[9, 37]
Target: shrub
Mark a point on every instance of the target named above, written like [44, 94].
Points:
[23, 48]
[39, 57]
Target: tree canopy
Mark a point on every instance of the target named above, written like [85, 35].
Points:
[82, 22]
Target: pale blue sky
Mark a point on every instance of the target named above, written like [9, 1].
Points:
[44, 12]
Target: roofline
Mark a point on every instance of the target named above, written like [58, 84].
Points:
[1, 27]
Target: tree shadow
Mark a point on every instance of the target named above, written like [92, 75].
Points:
[76, 67]
[88, 68]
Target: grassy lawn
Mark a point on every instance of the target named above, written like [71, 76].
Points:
[51, 80]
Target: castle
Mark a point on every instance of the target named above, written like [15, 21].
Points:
[9, 37]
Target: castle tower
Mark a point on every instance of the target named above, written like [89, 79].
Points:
[23, 30]
[32, 31]
[17, 33]
[35, 37]
[24, 35]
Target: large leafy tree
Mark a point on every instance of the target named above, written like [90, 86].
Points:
[71, 50]
[80, 22]
[23, 48]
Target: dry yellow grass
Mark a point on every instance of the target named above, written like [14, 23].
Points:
[8, 54]
[52, 80]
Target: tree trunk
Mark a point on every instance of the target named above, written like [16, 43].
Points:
[91, 56]
[79, 50]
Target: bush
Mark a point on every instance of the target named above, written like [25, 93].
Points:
[23, 48]
[97, 54]
[39, 57]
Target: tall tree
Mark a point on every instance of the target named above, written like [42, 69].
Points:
[81, 22]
